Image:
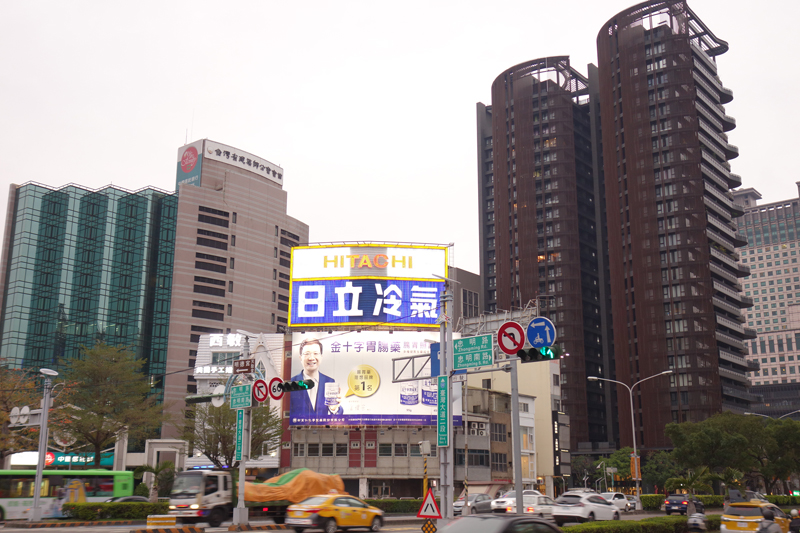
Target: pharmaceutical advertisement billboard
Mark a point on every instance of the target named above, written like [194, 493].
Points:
[353, 375]
[366, 284]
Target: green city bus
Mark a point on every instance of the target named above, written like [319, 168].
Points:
[58, 487]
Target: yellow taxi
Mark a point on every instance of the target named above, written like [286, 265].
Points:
[746, 516]
[331, 512]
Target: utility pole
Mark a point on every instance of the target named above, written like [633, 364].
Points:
[515, 435]
[240, 512]
[465, 425]
[446, 356]
[36, 515]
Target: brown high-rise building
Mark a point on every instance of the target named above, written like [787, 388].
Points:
[540, 209]
[676, 298]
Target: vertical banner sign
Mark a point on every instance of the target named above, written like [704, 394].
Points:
[443, 418]
[239, 433]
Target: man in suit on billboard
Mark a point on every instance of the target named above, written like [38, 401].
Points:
[311, 404]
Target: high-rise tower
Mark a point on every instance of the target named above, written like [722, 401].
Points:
[539, 223]
[674, 273]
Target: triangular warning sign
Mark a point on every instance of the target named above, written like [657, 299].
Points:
[429, 507]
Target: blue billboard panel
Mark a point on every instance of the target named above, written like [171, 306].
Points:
[365, 302]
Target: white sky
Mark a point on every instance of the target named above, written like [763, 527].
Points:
[368, 106]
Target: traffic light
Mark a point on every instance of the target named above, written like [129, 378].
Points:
[536, 354]
[291, 386]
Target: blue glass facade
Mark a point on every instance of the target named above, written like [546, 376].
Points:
[86, 265]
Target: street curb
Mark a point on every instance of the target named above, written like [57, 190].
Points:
[265, 527]
[45, 525]
[184, 529]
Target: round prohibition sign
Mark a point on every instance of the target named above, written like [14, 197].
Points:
[260, 390]
[510, 338]
[274, 391]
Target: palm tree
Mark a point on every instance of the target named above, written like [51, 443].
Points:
[694, 481]
[158, 476]
[730, 477]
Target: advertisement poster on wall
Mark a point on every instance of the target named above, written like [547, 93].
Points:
[190, 164]
[352, 372]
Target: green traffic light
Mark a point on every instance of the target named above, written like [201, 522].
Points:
[547, 352]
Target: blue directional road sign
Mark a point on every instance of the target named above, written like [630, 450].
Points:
[541, 332]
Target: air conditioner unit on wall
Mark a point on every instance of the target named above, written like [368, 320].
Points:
[482, 425]
[482, 433]
[473, 425]
[473, 431]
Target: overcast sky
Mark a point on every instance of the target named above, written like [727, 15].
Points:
[369, 106]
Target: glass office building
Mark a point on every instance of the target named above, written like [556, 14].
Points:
[81, 266]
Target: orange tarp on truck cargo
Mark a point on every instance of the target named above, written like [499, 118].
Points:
[294, 486]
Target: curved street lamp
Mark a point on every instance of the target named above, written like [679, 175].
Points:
[633, 422]
[774, 418]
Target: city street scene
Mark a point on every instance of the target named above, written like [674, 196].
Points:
[580, 304]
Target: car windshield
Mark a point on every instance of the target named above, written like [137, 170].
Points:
[568, 498]
[190, 483]
[607, 495]
[743, 511]
[314, 500]
[509, 494]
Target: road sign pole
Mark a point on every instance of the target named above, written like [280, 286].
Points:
[446, 458]
[515, 434]
[240, 514]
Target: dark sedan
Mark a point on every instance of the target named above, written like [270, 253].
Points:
[678, 503]
[500, 523]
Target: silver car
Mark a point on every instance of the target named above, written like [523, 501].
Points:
[477, 503]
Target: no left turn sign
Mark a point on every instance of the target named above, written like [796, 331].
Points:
[274, 392]
[510, 338]
[260, 390]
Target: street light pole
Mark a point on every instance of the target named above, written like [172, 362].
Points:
[767, 416]
[636, 474]
[36, 515]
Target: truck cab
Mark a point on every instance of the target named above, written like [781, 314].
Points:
[202, 496]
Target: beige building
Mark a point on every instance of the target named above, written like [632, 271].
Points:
[232, 254]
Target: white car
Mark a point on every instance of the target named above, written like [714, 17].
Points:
[501, 504]
[583, 507]
[618, 499]
[539, 506]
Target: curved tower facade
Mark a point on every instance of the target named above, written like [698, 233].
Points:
[540, 227]
[676, 298]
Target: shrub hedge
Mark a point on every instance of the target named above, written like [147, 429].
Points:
[656, 524]
[397, 506]
[113, 510]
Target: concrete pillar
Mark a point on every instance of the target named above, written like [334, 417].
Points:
[363, 488]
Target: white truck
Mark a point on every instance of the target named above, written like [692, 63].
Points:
[210, 495]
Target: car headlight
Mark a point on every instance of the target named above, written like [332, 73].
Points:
[172, 507]
[194, 506]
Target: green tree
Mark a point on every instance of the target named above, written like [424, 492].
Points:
[213, 432]
[19, 388]
[658, 468]
[163, 476]
[724, 440]
[694, 481]
[108, 395]
[582, 465]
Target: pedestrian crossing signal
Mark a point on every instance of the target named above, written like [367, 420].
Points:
[291, 386]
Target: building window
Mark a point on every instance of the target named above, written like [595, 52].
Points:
[233, 218]
[273, 319]
[384, 450]
[232, 262]
[313, 450]
[499, 433]
[327, 449]
[276, 231]
[274, 273]
[341, 449]
[273, 296]
[401, 450]
[299, 449]
[230, 286]
[416, 452]
[230, 310]
[276, 252]
[486, 383]
[500, 462]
